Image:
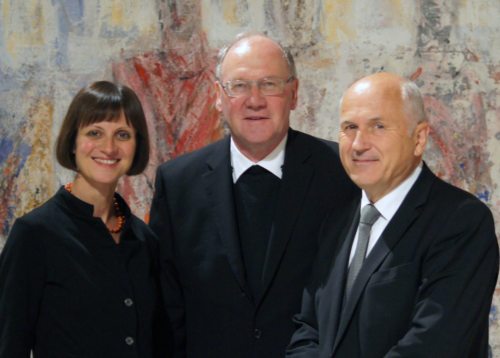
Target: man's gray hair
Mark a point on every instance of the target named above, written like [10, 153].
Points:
[413, 103]
[241, 36]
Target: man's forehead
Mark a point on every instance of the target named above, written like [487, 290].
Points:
[256, 55]
[241, 48]
[367, 94]
[254, 43]
[361, 87]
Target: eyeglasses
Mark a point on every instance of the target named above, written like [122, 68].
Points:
[269, 86]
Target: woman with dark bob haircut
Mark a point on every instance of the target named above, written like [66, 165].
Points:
[79, 274]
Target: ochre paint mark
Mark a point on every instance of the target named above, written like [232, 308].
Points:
[336, 21]
[21, 35]
[230, 11]
[35, 181]
[117, 13]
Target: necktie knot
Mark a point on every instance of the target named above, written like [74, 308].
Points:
[369, 214]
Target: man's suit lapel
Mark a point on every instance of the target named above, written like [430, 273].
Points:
[393, 233]
[297, 174]
[335, 288]
[219, 187]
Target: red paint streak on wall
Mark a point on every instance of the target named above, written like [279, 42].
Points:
[177, 91]
[496, 77]
[440, 116]
[416, 74]
[464, 160]
[179, 107]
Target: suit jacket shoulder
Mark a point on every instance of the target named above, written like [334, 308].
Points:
[190, 163]
[323, 156]
[443, 201]
[314, 144]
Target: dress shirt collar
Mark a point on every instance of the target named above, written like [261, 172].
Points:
[273, 162]
[389, 204]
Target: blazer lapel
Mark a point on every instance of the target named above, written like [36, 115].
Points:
[393, 233]
[338, 274]
[297, 174]
[219, 187]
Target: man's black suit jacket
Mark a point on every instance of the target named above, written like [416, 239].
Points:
[424, 290]
[193, 214]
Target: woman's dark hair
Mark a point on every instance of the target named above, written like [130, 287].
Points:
[103, 101]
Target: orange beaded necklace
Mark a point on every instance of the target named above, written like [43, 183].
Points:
[120, 218]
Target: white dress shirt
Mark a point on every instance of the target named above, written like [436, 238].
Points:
[387, 206]
[273, 162]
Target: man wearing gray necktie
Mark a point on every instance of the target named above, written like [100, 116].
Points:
[416, 278]
[369, 215]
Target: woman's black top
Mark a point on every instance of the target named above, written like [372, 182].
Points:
[68, 290]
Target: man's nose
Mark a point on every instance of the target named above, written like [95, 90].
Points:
[361, 141]
[255, 97]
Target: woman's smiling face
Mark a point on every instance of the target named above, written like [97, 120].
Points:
[104, 151]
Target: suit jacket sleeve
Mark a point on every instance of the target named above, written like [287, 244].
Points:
[458, 279]
[22, 272]
[160, 223]
[305, 340]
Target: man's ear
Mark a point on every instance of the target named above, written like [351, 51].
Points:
[219, 91]
[420, 134]
[295, 93]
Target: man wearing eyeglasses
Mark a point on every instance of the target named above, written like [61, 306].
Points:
[238, 219]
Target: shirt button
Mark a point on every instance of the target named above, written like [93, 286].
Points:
[129, 341]
[257, 333]
[128, 302]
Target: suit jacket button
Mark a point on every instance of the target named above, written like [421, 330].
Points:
[257, 333]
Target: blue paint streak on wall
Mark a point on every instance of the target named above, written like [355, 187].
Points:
[7, 81]
[8, 149]
[493, 314]
[75, 9]
[24, 151]
[107, 32]
[5, 149]
[70, 19]
[484, 196]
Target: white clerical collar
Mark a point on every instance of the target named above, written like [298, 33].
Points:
[389, 203]
[273, 162]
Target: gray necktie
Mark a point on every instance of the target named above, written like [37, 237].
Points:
[369, 214]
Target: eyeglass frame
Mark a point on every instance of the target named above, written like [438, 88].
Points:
[252, 82]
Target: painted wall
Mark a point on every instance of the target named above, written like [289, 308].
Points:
[166, 50]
